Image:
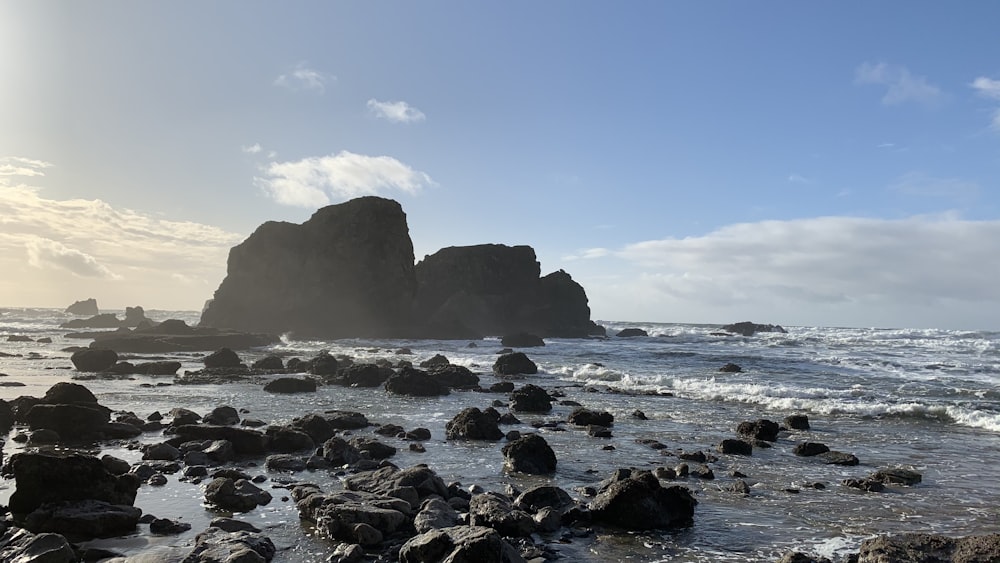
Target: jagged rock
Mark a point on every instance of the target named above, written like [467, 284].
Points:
[162, 451]
[215, 545]
[498, 512]
[747, 328]
[245, 442]
[420, 480]
[232, 525]
[731, 368]
[414, 382]
[291, 385]
[929, 548]
[21, 546]
[436, 360]
[364, 375]
[46, 478]
[323, 365]
[635, 500]
[473, 424]
[114, 465]
[223, 416]
[761, 429]
[544, 496]
[735, 447]
[897, 476]
[838, 458]
[584, 417]
[103, 320]
[337, 515]
[317, 427]
[167, 527]
[531, 398]
[346, 420]
[514, 363]
[346, 272]
[529, 454]
[239, 496]
[93, 360]
[455, 377]
[434, 514]
[631, 333]
[373, 448]
[522, 340]
[459, 543]
[797, 422]
[84, 518]
[87, 307]
[337, 452]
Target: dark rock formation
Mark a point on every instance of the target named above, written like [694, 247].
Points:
[412, 381]
[760, 429]
[454, 376]
[48, 478]
[239, 495]
[530, 398]
[18, 544]
[735, 447]
[928, 548]
[731, 368]
[747, 328]
[809, 449]
[215, 544]
[635, 500]
[222, 358]
[85, 518]
[459, 543]
[103, 320]
[529, 454]
[473, 424]
[496, 511]
[631, 333]
[514, 363]
[291, 385]
[94, 359]
[522, 340]
[797, 422]
[87, 308]
[346, 272]
[584, 417]
[176, 336]
[897, 476]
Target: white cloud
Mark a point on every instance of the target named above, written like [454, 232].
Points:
[314, 181]
[47, 253]
[588, 254]
[19, 166]
[798, 179]
[989, 88]
[304, 78]
[827, 270]
[901, 85]
[252, 149]
[397, 112]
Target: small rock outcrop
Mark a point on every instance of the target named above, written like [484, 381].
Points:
[459, 543]
[635, 500]
[87, 307]
[530, 398]
[48, 478]
[747, 328]
[514, 363]
[473, 424]
[631, 333]
[924, 548]
[94, 359]
[529, 454]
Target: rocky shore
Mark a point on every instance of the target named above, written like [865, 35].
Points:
[67, 491]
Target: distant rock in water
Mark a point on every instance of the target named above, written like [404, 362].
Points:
[631, 333]
[134, 316]
[174, 335]
[84, 308]
[348, 272]
[748, 328]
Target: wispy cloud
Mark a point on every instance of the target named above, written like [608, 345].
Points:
[396, 112]
[252, 149]
[921, 184]
[798, 179]
[20, 166]
[989, 88]
[302, 77]
[47, 253]
[588, 254]
[313, 181]
[901, 85]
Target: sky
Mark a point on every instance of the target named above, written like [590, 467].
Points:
[799, 163]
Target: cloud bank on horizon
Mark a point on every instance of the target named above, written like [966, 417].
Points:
[849, 179]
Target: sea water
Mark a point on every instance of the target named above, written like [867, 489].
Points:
[927, 400]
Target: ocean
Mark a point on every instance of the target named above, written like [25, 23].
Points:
[921, 399]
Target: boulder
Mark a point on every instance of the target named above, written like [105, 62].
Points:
[809, 449]
[420, 480]
[635, 500]
[354, 516]
[436, 360]
[223, 416]
[761, 429]
[514, 363]
[346, 272]
[269, 363]
[215, 545]
[135, 316]
[455, 377]
[929, 548]
[731, 368]
[459, 543]
[337, 452]
[238, 496]
[530, 398]
[529, 454]
[435, 514]
[473, 424]
[544, 496]
[496, 511]
[68, 393]
[245, 441]
[103, 320]
[415, 382]
[176, 336]
[631, 333]
[71, 421]
[897, 476]
[22, 546]
[364, 375]
[222, 358]
[94, 359]
[522, 340]
[84, 519]
[87, 307]
[735, 447]
[372, 448]
[317, 427]
[797, 422]
[747, 328]
[584, 417]
[49, 478]
[291, 385]
[284, 439]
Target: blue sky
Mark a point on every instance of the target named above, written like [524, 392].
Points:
[789, 162]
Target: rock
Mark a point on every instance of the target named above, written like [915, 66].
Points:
[232, 525]
[337, 515]
[544, 496]
[808, 449]
[492, 289]
[162, 451]
[284, 439]
[434, 514]
[866, 484]
[346, 272]
[114, 465]
[529, 454]
[747, 328]
[222, 358]
[436, 360]
[735, 447]
[372, 448]
[389, 481]
[502, 387]
[497, 511]
[167, 527]
[455, 377]
[291, 385]
[168, 336]
[156, 368]
[71, 421]
[365, 375]
[346, 420]
[838, 458]
[761, 429]
[245, 441]
[522, 340]
[215, 545]
[19, 338]
[48, 478]
[338, 452]
[87, 307]
[67, 393]
[84, 518]
[134, 316]
[473, 424]
[928, 548]
[631, 333]
[585, 417]
[182, 416]
[635, 500]
[459, 543]
[731, 368]
[103, 320]
[796, 557]
[598, 431]
[238, 496]
[323, 365]
[897, 476]
[315, 426]
[223, 416]
[531, 398]
[269, 363]
[284, 462]
[797, 422]
[21, 546]
[93, 360]
[514, 363]
[414, 382]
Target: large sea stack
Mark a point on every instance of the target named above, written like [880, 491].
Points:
[348, 272]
